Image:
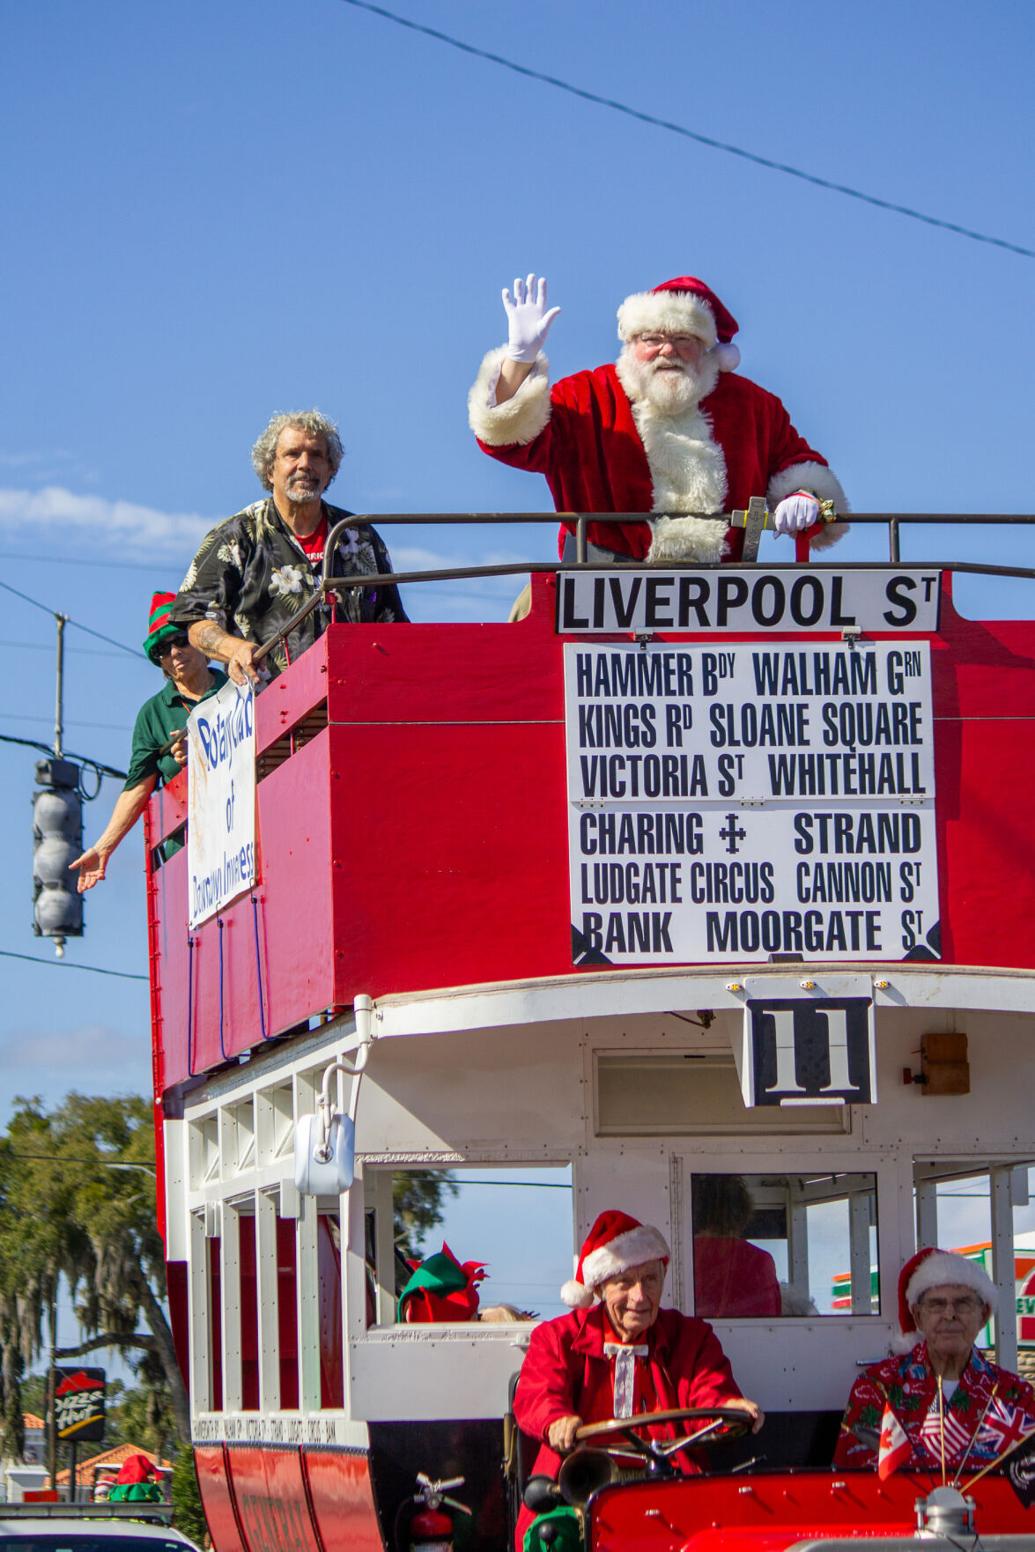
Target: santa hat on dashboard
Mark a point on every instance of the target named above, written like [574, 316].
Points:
[683, 306]
[614, 1244]
[931, 1268]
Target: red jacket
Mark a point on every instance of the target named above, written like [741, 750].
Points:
[566, 1373]
[593, 459]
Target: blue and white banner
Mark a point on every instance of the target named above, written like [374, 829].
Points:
[220, 800]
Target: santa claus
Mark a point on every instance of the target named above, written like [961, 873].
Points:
[670, 428]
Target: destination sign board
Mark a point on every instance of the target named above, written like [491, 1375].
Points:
[732, 599]
[750, 802]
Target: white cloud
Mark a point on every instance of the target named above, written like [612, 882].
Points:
[123, 525]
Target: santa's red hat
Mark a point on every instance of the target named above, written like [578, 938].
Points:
[931, 1268]
[614, 1244]
[682, 306]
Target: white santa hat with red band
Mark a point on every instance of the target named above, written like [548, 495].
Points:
[929, 1269]
[682, 306]
[614, 1244]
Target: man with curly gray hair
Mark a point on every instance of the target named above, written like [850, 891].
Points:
[255, 570]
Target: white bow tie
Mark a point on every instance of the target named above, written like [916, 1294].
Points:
[625, 1374]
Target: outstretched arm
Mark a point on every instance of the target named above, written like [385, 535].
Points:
[93, 864]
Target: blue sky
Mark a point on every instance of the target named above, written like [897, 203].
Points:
[215, 212]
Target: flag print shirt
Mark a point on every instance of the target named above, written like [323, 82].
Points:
[989, 1410]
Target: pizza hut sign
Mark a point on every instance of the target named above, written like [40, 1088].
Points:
[79, 1404]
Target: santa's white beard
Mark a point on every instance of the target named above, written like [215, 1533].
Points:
[672, 388]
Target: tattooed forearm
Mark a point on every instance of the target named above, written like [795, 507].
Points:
[208, 637]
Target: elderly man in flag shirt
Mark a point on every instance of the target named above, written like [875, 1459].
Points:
[938, 1405]
[621, 1355]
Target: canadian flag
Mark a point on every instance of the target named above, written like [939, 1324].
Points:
[895, 1449]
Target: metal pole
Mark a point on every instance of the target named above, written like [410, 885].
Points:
[59, 695]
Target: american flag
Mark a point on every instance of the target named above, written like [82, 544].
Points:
[957, 1436]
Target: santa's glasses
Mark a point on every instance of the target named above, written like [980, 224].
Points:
[683, 344]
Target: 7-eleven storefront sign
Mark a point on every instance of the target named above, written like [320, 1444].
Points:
[1025, 1266]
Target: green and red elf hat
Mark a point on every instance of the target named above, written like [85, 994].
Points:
[159, 624]
[441, 1289]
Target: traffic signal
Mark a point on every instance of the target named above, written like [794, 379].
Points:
[57, 834]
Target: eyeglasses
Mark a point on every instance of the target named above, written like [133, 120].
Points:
[967, 1306]
[683, 344]
[181, 639]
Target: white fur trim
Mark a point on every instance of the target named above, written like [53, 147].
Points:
[727, 357]
[688, 474]
[823, 483]
[576, 1296]
[666, 312]
[632, 1248]
[518, 421]
[941, 1269]
[901, 1345]
[677, 539]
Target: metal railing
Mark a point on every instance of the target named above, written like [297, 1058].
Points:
[754, 520]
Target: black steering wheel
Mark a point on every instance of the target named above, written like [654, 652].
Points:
[721, 1426]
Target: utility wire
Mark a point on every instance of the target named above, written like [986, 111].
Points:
[64, 964]
[83, 759]
[56, 613]
[81, 560]
[690, 134]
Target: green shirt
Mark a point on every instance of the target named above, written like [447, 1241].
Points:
[157, 720]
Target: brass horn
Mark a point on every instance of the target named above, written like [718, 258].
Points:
[584, 1473]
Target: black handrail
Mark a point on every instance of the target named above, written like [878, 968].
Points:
[737, 519]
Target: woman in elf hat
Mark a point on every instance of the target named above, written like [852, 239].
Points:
[938, 1405]
[159, 749]
[618, 1352]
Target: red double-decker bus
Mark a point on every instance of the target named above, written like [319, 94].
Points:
[718, 872]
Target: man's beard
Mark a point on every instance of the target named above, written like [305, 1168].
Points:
[671, 389]
[301, 489]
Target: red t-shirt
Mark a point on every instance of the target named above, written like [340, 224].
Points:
[314, 543]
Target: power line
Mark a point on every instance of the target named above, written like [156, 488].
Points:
[64, 964]
[690, 134]
[48, 646]
[55, 613]
[81, 560]
[105, 727]
[81, 759]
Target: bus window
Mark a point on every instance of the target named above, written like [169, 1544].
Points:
[987, 1211]
[516, 1221]
[287, 1313]
[332, 1353]
[773, 1245]
[213, 1249]
[249, 1313]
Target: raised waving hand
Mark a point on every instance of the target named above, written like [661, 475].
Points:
[528, 318]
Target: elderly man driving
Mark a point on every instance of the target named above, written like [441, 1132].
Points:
[938, 1401]
[623, 1354]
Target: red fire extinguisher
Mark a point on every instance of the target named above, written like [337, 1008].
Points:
[430, 1527]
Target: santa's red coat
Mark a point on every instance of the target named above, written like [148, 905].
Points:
[594, 461]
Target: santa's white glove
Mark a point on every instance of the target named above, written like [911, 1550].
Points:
[528, 321]
[794, 513]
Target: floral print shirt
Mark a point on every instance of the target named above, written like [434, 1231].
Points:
[988, 1407]
[251, 575]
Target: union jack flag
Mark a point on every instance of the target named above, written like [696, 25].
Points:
[1007, 1425]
